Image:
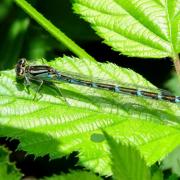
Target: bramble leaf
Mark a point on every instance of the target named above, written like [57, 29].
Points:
[8, 170]
[48, 125]
[126, 161]
[145, 28]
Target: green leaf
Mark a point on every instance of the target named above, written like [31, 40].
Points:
[173, 177]
[157, 175]
[173, 83]
[172, 161]
[8, 170]
[49, 125]
[146, 28]
[156, 172]
[80, 175]
[127, 163]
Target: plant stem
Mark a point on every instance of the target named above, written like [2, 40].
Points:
[176, 61]
[53, 30]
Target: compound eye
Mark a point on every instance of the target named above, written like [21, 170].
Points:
[20, 68]
[22, 62]
[20, 73]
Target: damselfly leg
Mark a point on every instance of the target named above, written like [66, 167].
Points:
[38, 89]
[61, 94]
[28, 81]
[50, 84]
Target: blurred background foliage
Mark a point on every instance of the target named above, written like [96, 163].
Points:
[22, 37]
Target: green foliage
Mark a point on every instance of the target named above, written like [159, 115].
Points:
[49, 125]
[146, 28]
[80, 175]
[8, 170]
[53, 30]
[12, 34]
[22, 37]
[5, 6]
[172, 161]
[127, 163]
[173, 177]
[173, 84]
[157, 174]
[14, 38]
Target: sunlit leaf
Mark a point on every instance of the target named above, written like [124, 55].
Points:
[144, 28]
[48, 125]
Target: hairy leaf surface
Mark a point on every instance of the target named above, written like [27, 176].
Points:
[48, 125]
[143, 28]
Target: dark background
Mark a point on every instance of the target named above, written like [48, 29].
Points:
[20, 36]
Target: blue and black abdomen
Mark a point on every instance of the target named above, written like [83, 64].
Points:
[121, 89]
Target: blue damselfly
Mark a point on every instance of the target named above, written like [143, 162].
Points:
[43, 73]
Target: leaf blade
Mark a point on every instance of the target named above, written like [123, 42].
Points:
[127, 162]
[49, 126]
[136, 28]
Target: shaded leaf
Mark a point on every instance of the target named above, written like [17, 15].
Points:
[8, 170]
[156, 172]
[172, 161]
[80, 175]
[173, 84]
[127, 163]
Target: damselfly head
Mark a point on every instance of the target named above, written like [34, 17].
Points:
[20, 68]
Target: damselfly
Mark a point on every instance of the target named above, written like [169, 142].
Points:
[43, 73]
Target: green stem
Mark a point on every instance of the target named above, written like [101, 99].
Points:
[53, 30]
[176, 61]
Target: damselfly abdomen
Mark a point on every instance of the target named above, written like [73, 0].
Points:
[43, 73]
